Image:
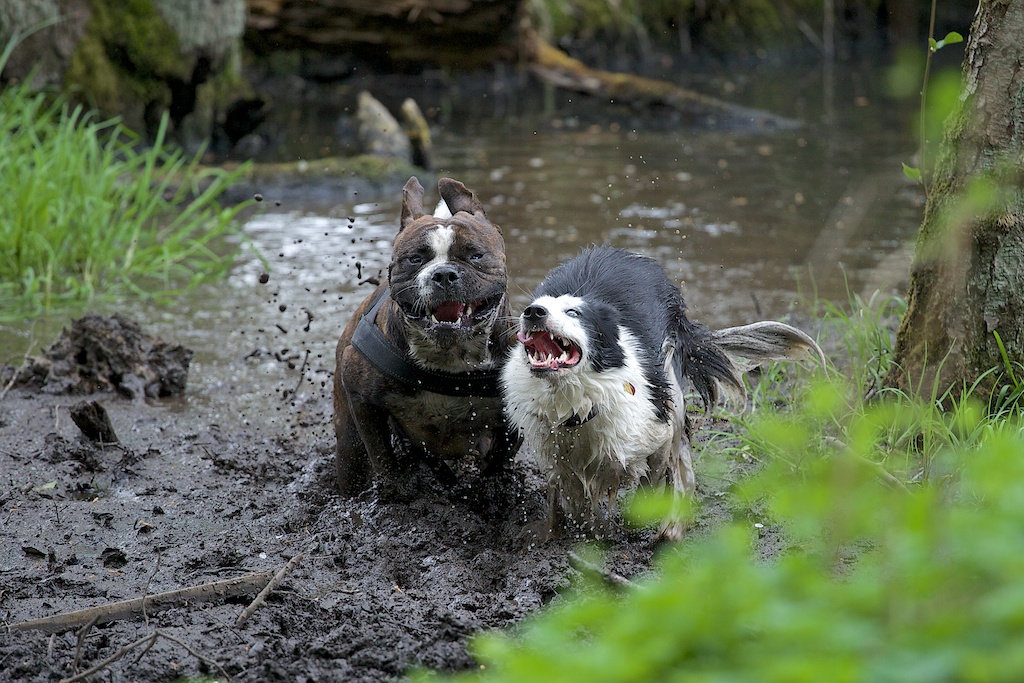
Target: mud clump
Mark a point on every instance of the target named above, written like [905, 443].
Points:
[106, 353]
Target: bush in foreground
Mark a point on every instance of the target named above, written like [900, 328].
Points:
[905, 562]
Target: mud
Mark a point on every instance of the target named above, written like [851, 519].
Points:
[197, 492]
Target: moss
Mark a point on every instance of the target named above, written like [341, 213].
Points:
[125, 58]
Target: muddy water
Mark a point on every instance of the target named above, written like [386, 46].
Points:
[749, 223]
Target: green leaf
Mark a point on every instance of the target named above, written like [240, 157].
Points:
[45, 487]
[912, 173]
[952, 38]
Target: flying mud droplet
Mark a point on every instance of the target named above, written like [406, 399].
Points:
[264, 278]
[258, 197]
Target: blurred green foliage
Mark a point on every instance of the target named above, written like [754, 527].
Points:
[903, 559]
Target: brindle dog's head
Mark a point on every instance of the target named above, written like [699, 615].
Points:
[447, 273]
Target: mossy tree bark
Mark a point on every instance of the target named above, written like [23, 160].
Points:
[136, 59]
[967, 276]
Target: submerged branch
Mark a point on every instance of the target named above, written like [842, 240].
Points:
[553, 66]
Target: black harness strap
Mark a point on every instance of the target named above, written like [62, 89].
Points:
[396, 364]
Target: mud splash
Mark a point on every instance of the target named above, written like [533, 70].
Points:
[183, 501]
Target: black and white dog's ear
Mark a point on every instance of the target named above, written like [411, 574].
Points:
[412, 202]
[459, 198]
[747, 346]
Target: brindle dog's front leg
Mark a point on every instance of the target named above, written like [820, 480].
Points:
[506, 442]
[364, 439]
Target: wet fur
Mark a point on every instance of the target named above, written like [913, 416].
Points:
[640, 355]
[373, 413]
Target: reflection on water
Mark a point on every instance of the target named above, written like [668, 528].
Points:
[744, 221]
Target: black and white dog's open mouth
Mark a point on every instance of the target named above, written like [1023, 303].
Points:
[549, 352]
[455, 314]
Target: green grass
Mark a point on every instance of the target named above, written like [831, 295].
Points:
[903, 558]
[87, 210]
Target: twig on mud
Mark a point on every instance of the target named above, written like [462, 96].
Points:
[145, 591]
[82, 634]
[267, 590]
[125, 609]
[610, 577]
[121, 652]
[194, 653]
[302, 376]
[14, 377]
[146, 642]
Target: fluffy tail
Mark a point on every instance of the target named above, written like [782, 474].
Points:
[713, 361]
[705, 365]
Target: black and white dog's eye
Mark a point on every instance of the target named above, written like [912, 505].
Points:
[414, 260]
[573, 312]
[476, 257]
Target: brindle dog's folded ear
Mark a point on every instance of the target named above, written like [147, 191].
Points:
[412, 201]
[459, 198]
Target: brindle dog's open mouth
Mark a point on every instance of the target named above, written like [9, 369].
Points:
[453, 315]
[549, 352]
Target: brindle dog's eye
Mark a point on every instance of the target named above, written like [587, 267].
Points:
[414, 260]
[573, 312]
[476, 257]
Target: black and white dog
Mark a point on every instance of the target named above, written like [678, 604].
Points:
[597, 385]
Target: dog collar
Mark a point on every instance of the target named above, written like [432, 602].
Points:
[576, 420]
[398, 365]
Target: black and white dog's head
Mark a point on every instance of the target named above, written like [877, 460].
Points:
[447, 272]
[568, 333]
[590, 334]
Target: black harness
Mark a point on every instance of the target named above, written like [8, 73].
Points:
[398, 365]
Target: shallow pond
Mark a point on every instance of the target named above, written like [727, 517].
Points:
[751, 223]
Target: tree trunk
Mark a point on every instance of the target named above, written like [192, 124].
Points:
[967, 276]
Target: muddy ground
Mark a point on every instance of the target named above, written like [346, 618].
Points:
[197, 492]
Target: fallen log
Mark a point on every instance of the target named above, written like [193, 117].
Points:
[551, 65]
[465, 34]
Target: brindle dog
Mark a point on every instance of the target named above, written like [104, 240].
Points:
[418, 363]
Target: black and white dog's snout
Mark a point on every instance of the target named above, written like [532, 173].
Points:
[535, 314]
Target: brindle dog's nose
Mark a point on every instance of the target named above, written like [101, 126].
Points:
[445, 276]
[534, 313]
